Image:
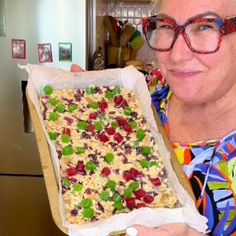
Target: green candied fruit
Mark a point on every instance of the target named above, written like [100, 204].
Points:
[98, 125]
[144, 163]
[90, 90]
[104, 196]
[53, 116]
[111, 184]
[83, 125]
[114, 124]
[65, 138]
[118, 206]
[153, 163]
[109, 158]
[127, 111]
[146, 150]
[101, 117]
[134, 185]
[77, 187]
[86, 203]
[53, 101]
[88, 213]
[133, 124]
[66, 181]
[48, 89]
[128, 192]
[91, 166]
[72, 108]
[60, 108]
[52, 135]
[109, 95]
[66, 151]
[80, 150]
[94, 105]
[140, 134]
[116, 90]
[117, 198]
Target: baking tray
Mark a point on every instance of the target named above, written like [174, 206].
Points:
[50, 177]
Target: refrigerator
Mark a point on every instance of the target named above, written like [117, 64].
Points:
[24, 206]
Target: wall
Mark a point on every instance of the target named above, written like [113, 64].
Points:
[36, 21]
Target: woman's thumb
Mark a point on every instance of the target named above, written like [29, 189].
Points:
[138, 230]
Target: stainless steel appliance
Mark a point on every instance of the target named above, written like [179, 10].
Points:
[24, 208]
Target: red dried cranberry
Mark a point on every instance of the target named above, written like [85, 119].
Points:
[127, 128]
[80, 168]
[124, 103]
[74, 212]
[89, 191]
[140, 205]
[140, 193]
[122, 122]
[93, 116]
[71, 171]
[103, 105]
[110, 131]
[130, 203]
[106, 171]
[73, 180]
[155, 181]
[103, 138]
[134, 173]
[127, 176]
[68, 120]
[118, 99]
[91, 128]
[148, 199]
[66, 131]
[118, 137]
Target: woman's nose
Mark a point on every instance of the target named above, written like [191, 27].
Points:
[180, 50]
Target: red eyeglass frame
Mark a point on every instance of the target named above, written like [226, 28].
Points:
[226, 26]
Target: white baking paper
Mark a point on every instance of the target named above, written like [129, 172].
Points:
[129, 77]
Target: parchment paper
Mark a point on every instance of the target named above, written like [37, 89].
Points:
[129, 77]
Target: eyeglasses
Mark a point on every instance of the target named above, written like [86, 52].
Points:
[203, 34]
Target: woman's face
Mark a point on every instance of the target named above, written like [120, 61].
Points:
[199, 78]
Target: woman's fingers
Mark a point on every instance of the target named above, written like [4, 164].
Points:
[174, 229]
[139, 230]
[76, 68]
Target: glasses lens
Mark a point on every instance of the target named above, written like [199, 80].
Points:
[160, 33]
[202, 35]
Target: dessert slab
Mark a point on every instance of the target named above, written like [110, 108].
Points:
[129, 78]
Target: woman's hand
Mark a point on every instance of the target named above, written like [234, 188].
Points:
[174, 229]
[76, 68]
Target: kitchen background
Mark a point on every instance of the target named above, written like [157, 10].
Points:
[24, 207]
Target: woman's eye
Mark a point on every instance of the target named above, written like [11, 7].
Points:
[204, 27]
[165, 27]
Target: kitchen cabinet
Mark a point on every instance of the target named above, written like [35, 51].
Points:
[24, 207]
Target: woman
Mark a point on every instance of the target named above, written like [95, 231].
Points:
[196, 53]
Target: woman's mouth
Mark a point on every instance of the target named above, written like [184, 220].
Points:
[184, 74]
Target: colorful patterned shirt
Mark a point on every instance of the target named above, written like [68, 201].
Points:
[210, 167]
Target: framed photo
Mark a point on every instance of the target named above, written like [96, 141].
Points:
[65, 51]
[18, 48]
[45, 52]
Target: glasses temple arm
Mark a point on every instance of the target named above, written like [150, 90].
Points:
[229, 25]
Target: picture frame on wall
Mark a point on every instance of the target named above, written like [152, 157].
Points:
[45, 52]
[18, 48]
[65, 51]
